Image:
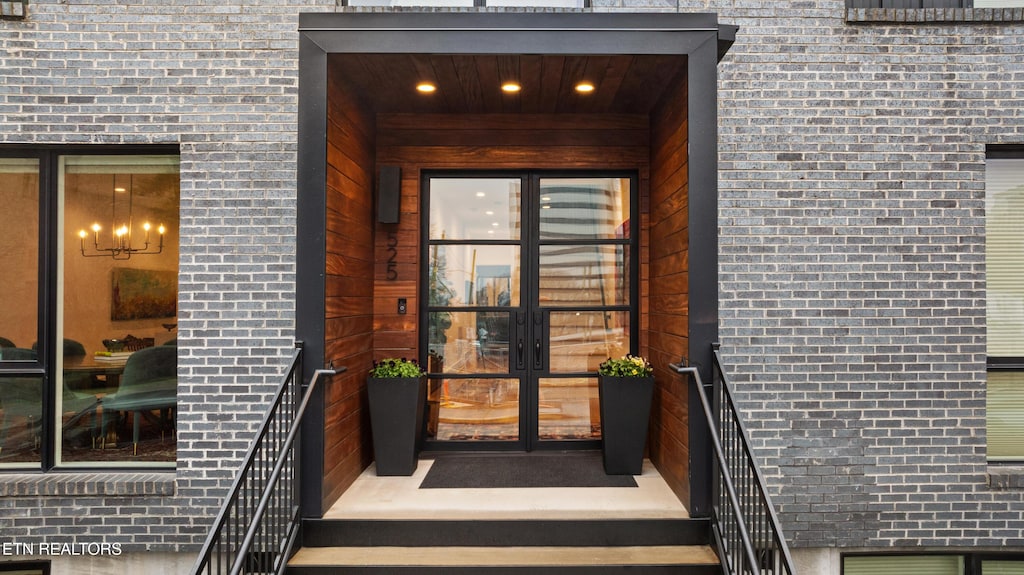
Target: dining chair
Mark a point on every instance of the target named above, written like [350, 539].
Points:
[149, 383]
[22, 398]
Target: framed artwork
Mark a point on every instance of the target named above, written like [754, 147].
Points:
[141, 294]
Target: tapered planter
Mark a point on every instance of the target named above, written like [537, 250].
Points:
[625, 413]
[396, 419]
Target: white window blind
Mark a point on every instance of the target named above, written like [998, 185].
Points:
[540, 3]
[1004, 256]
[904, 565]
[1002, 567]
[19, 166]
[424, 3]
[998, 4]
[1005, 405]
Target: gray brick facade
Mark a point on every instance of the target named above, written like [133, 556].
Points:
[852, 268]
[851, 251]
[221, 82]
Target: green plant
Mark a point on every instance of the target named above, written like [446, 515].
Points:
[396, 367]
[626, 366]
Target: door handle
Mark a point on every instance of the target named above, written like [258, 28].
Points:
[538, 327]
[520, 340]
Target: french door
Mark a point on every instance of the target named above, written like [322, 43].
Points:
[528, 284]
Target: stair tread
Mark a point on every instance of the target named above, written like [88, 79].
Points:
[505, 556]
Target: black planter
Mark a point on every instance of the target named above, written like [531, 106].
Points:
[625, 413]
[396, 419]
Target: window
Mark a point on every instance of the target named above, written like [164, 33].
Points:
[24, 567]
[1002, 567]
[909, 3]
[924, 4]
[935, 564]
[1004, 262]
[88, 361]
[904, 565]
[474, 3]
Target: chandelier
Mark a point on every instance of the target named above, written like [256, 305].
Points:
[121, 234]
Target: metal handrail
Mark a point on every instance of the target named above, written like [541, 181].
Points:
[263, 546]
[768, 552]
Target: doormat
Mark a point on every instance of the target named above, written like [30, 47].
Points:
[521, 470]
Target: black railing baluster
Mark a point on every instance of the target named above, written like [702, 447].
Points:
[256, 526]
[746, 529]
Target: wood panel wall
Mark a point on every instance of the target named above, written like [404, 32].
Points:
[669, 289]
[416, 142]
[362, 292]
[349, 321]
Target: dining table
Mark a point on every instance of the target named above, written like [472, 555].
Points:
[104, 372]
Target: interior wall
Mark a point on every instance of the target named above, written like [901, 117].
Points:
[669, 288]
[19, 309]
[416, 142]
[87, 288]
[88, 282]
[349, 321]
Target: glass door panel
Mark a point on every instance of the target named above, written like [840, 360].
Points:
[578, 208]
[475, 208]
[568, 409]
[474, 279]
[591, 275]
[518, 320]
[474, 275]
[583, 267]
[469, 341]
[581, 340]
[473, 409]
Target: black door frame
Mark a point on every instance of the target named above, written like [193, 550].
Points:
[698, 36]
[528, 330]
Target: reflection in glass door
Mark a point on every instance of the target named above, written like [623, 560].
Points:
[518, 317]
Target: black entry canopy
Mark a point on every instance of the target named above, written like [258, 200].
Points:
[515, 32]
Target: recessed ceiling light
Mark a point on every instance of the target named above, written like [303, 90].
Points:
[490, 231]
[489, 212]
[480, 194]
[511, 87]
[426, 87]
[495, 224]
[545, 207]
[546, 198]
[584, 87]
[120, 190]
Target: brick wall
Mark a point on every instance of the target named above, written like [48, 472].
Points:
[220, 80]
[852, 266]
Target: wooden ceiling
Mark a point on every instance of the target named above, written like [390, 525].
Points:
[472, 83]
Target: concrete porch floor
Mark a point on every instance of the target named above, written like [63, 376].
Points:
[372, 497]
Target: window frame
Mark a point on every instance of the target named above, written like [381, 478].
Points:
[587, 4]
[930, 12]
[909, 4]
[972, 561]
[48, 289]
[1003, 363]
[43, 567]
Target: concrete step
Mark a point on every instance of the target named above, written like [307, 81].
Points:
[510, 532]
[540, 560]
